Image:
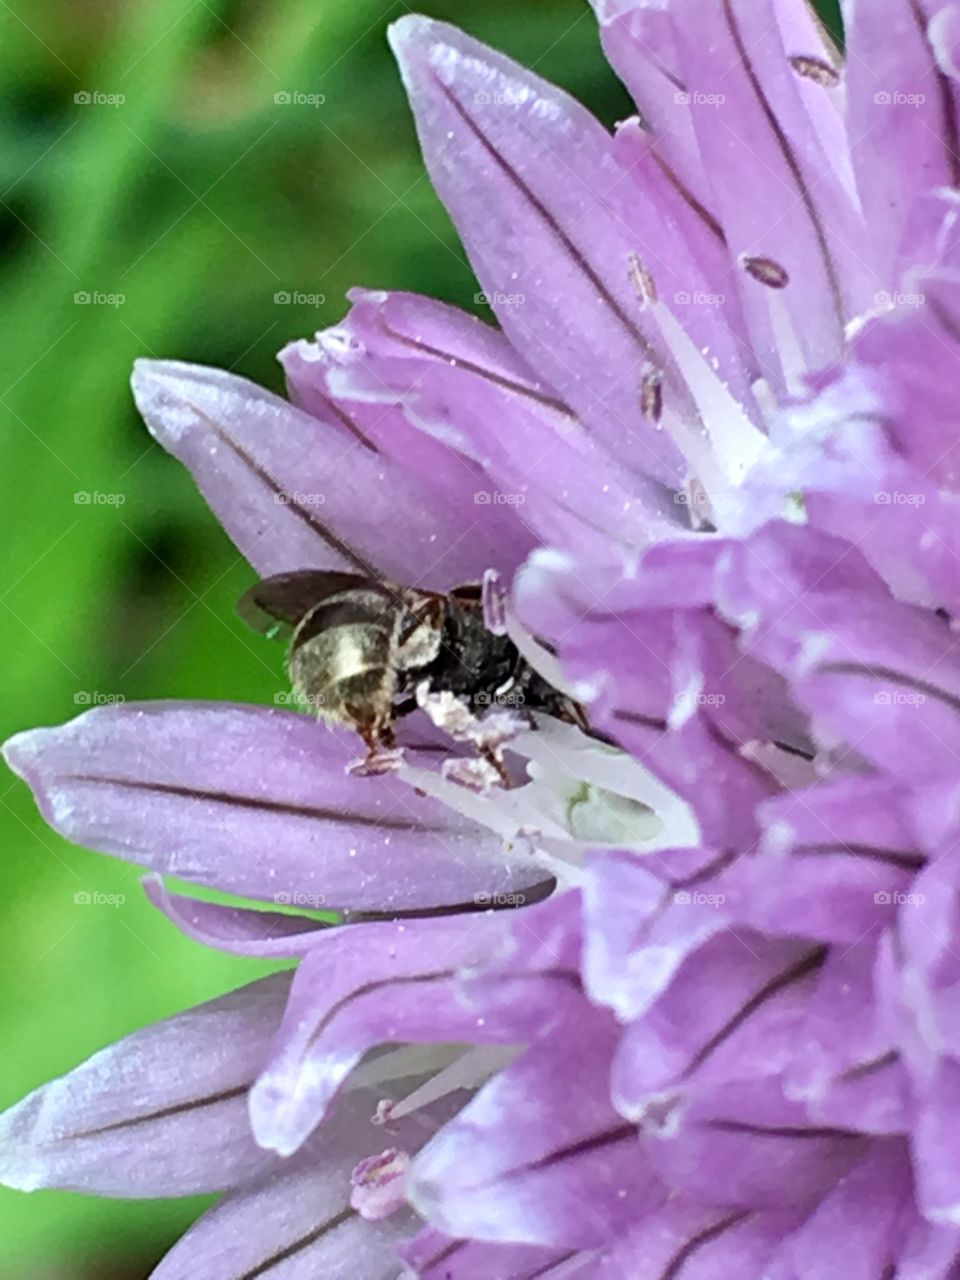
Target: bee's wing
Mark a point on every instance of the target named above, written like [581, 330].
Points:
[283, 599]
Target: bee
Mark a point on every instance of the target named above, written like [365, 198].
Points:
[361, 647]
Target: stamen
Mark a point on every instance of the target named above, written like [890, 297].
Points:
[651, 393]
[816, 69]
[378, 1184]
[641, 279]
[722, 447]
[766, 271]
[473, 1068]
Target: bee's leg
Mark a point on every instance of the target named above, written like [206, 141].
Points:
[381, 757]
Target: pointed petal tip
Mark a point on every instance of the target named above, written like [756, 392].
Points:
[23, 750]
[149, 373]
[157, 392]
[415, 39]
[22, 1166]
[411, 28]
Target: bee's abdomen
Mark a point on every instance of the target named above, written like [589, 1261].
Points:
[341, 650]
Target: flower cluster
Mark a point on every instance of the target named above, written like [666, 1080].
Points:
[682, 1002]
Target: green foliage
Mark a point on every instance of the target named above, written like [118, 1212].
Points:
[198, 199]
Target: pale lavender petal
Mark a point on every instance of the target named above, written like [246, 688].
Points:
[161, 1113]
[516, 433]
[645, 674]
[835, 859]
[235, 929]
[639, 42]
[297, 1223]
[538, 199]
[256, 802]
[791, 220]
[297, 493]
[881, 675]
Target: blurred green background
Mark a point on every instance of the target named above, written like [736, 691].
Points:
[178, 213]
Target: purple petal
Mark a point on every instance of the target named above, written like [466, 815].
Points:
[436, 1256]
[845, 1069]
[930, 1253]
[539, 1155]
[901, 115]
[732, 1013]
[639, 43]
[644, 916]
[858, 1230]
[645, 677]
[878, 674]
[696, 1241]
[780, 195]
[841, 447]
[834, 860]
[539, 201]
[255, 802]
[296, 493]
[382, 325]
[725, 1141]
[161, 1113]
[235, 929]
[381, 983]
[299, 1223]
[463, 387]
